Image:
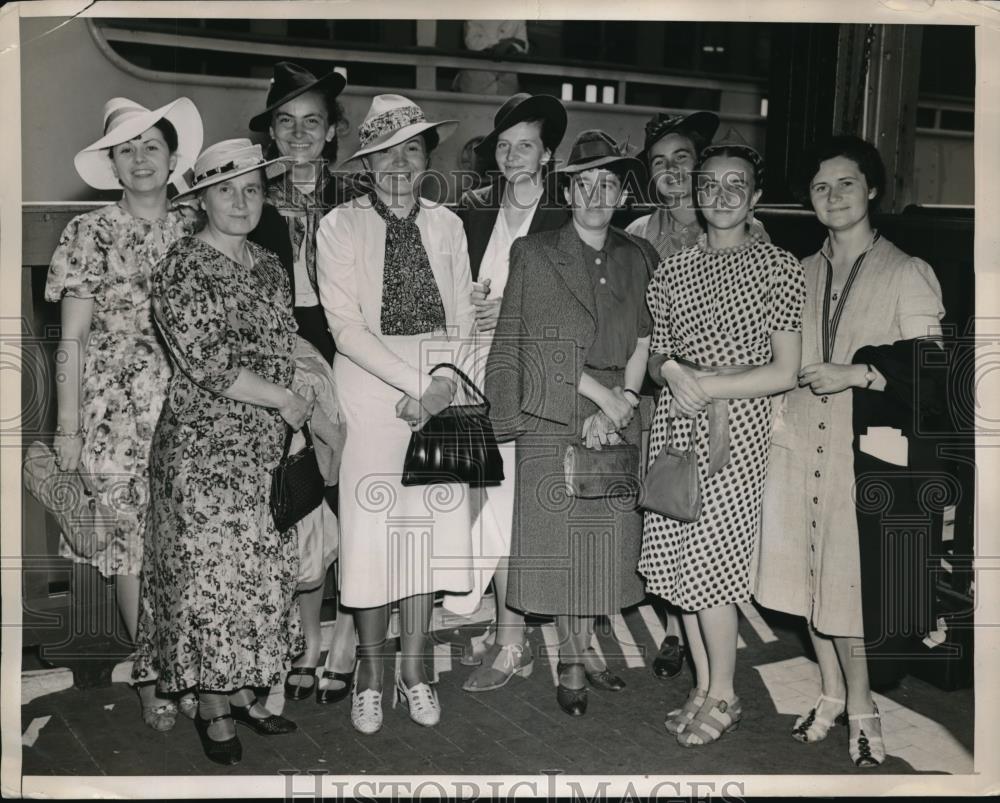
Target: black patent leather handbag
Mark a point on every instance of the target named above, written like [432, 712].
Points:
[455, 446]
[297, 486]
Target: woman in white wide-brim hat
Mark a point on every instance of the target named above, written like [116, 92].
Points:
[113, 372]
[394, 281]
[218, 613]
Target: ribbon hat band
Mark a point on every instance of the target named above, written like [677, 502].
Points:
[387, 122]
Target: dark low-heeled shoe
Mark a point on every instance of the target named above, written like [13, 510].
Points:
[604, 680]
[326, 696]
[298, 691]
[669, 660]
[271, 725]
[572, 701]
[228, 752]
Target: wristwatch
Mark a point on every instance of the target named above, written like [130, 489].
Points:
[870, 376]
[634, 395]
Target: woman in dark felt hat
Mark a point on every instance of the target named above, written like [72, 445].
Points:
[301, 118]
[567, 361]
[520, 200]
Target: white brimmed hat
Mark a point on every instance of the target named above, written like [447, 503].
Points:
[125, 119]
[228, 159]
[392, 119]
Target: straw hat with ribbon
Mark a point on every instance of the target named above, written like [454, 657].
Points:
[125, 119]
[393, 119]
[228, 159]
[289, 81]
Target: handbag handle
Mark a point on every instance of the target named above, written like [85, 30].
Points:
[670, 431]
[468, 382]
[289, 432]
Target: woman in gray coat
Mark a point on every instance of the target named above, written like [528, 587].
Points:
[565, 368]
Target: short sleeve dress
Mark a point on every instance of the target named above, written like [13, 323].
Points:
[717, 307]
[217, 608]
[110, 256]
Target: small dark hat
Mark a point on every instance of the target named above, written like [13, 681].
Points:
[702, 124]
[734, 141]
[520, 107]
[594, 148]
[289, 81]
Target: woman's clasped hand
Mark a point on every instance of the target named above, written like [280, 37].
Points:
[417, 412]
[296, 409]
[689, 398]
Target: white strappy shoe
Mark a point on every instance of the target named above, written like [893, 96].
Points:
[813, 727]
[421, 701]
[366, 709]
[866, 746]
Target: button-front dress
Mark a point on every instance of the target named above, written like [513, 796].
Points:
[717, 307]
[809, 556]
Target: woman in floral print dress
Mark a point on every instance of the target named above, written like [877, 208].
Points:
[113, 372]
[218, 611]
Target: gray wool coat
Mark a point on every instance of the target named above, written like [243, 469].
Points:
[568, 556]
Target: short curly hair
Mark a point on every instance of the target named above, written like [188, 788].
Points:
[860, 151]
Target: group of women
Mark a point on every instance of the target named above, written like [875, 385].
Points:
[292, 296]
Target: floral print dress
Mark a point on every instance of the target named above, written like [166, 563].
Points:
[109, 256]
[217, 608]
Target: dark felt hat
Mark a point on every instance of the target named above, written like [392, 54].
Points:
[520, 107]
[289, 81]
[594, 148]
[702, 124]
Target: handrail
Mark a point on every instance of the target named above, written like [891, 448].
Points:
[471, 61]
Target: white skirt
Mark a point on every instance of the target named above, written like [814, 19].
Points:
[395, 541]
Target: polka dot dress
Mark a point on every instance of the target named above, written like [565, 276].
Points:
[717, 307]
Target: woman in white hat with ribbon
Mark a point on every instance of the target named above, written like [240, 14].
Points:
[218, 611]
[113, 372]
[394, 280]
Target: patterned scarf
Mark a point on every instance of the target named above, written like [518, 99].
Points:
[303, 211]
[411, 300]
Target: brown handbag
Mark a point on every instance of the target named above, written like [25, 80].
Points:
[671, 487]
[610, 471]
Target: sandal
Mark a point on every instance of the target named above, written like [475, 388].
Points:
[327, 696]
[500, 664]
[188, 705]
[160, 715]
[867, 748]
[477, 646]
[811, 728]
[678, 719]
[714, 718]
[299, 691]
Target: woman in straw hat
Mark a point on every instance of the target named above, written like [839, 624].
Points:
[113, 371]
[218, 612]
[301, 118]
[585, 282]
[727, 334]
[394, 281]
[527, 129]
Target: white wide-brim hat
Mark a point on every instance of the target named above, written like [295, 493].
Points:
[125, 119]
[393, 119]
[228, 159]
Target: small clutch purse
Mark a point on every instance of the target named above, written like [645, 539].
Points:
[297, 486]
[455, 446]
[610, 471]
[671, 487]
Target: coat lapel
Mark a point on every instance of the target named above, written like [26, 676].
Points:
[567, 257]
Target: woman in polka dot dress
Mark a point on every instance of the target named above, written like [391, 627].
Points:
[731, 305]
